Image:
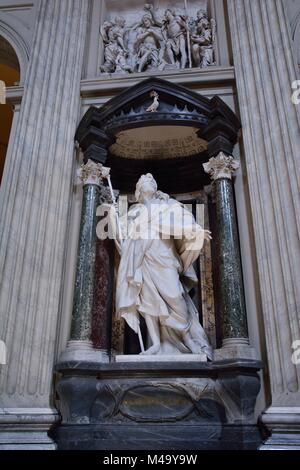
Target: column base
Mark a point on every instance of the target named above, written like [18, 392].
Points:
[27, 428]
[83, 351]
[235, 348]
[283, 425]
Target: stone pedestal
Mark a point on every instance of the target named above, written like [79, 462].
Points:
[34, 220]
[283, 425]
[162, 405]
[161, 358]
[27, 428]
[265, 71]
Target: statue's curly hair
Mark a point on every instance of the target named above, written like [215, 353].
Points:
[158, 194]
[148, 177]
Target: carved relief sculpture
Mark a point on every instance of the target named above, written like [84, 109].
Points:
[148, 44]
[202, 39]
[115, 52]
[174, 41]
[173, 28]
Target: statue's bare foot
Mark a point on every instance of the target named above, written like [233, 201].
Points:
[152, 350]
[195, 349]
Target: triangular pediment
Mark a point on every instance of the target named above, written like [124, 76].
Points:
[176, 106]
[172, 135]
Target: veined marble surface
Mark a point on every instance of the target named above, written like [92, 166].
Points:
[161, 358]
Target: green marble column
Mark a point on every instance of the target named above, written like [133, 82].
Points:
[80, 345]
[84, 283]
[229, 271]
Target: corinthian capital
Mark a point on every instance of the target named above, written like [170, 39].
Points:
[221, 166]
[90, 173]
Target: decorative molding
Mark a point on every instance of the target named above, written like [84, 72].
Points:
[27, 428]
[90, 173]
[194, 76]
[14, 95]
[209, 121]
[222, 166]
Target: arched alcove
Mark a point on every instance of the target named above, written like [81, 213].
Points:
[179, 136]
[19, 37]
[10, 75]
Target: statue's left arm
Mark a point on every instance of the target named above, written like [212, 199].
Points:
[178, 222]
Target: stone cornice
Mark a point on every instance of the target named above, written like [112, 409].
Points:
[105, 82]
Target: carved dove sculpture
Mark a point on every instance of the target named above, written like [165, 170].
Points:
[153, 107]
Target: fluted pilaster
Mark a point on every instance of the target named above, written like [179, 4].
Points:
[35, 201]
[264, 72]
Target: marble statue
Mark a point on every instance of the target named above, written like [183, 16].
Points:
[115, 52]
[153, 43]
[148, 42]
[158, 244]
[174, 28]
[202, 39]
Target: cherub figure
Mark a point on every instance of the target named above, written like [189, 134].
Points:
[173, 27]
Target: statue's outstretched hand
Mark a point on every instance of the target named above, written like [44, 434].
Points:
[111, 206]
[115, 205]
[207, 235]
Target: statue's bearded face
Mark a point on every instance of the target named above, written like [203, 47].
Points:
[147, 22]
[201, 15]
[147, 189]
[168, 15]
[120, 21]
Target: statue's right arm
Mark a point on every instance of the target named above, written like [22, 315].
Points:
[117, 227]
[103, 32]
[113, 225]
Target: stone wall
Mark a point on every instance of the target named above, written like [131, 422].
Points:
[38, 259]
[293, 15]
[35, 202]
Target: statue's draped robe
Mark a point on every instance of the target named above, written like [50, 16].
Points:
[155, 273]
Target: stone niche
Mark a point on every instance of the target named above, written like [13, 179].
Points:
[111, 403]
[136, 36]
